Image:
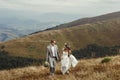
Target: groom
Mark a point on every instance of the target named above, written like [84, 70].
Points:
[52, 56]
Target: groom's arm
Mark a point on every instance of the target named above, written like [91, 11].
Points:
[58, 55]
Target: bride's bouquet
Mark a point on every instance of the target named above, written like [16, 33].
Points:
[46, 64]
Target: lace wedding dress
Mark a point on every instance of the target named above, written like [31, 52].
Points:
[66, 62]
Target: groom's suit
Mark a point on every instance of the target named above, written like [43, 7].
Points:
[52, 56]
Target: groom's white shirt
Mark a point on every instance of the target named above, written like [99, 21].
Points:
[53, 51]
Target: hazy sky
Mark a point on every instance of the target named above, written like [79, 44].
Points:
[62, 6]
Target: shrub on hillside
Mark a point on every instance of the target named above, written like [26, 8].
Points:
[106, 60]
[95, 51]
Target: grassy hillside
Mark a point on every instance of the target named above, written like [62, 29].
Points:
[105, 33]
[91, 69]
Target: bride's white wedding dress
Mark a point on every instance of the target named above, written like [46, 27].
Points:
[66, 62]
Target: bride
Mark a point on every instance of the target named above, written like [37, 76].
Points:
[67, 60]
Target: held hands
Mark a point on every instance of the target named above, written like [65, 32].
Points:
[59, 59]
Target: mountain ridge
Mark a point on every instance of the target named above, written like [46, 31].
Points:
[88, 20]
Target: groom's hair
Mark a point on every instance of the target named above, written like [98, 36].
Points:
[52, 41]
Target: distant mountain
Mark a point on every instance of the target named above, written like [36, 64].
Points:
[7, 33]
[21, 28]
[103, 31]
[3, 36]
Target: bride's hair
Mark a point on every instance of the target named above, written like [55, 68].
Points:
[67, 48]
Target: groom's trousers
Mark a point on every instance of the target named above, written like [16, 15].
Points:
[52, 62]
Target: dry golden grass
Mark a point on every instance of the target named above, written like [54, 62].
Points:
[90, 69]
